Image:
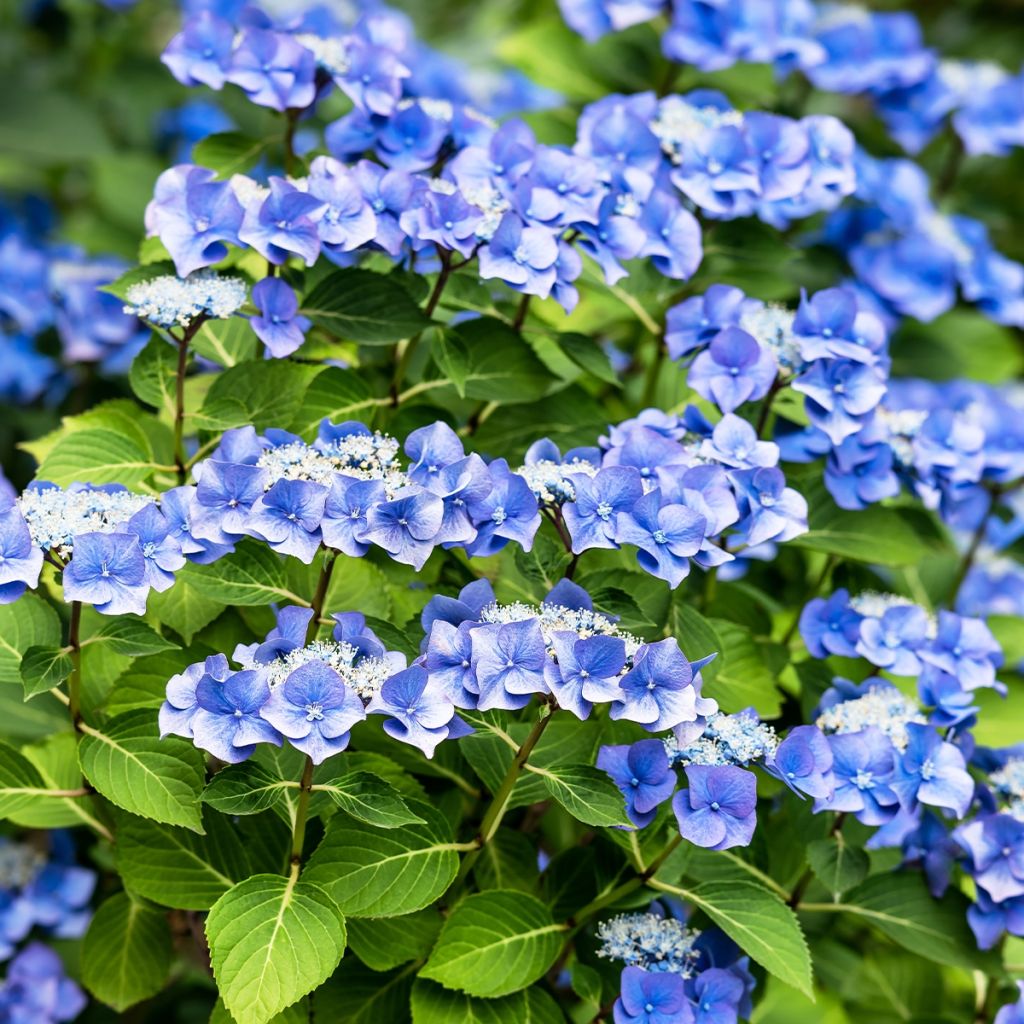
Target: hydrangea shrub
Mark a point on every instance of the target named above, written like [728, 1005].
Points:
[495, 551]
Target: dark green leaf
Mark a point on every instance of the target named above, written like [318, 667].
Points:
[370, 799]
[391, 941]
[836, 864]
[358, 305]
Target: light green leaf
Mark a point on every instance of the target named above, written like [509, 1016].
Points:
[132, 637]
[375, 873]
[55, 758]
[43, 668]
[153, 373]
[27, 622]
[126, 953]
[246, 788]
[264, 393]
[877, 535]
[587, 793]
[228, 153]
[132, 767]
[228, 342]
[176, 867]
[495, 943]
[588, 355]
[388, 942]
[252, 575]
[272, 941]
[336, 395]
[758, 922]
[144, 683]
[99, 455]
[358, 305]
[370, 799]
[20, 782]
[184, 608]
[836, 864]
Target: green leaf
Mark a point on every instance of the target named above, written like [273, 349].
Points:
[388, 942]
[99, 455]
[508, 861]
[901, 907]
[126, 953]
[336, 395]
[358, 305]
[587, 793]
[588, 355]
[369, 798]
[264, 393]
[228, 342]
[495, 943]
[742, 675]
[144, 683]
[153, 374]
[27, 622]
[355, 994]
[877, 535]
[372, 873]
[20, 782]
[176, 867]
[228, 153]
[184, 608]
[497, 365]
[252, 575]
[432, 1004]
[132, 767]
[272, 941]
[759, 923]
[55, 758]
[836, 864]
[43, 668]
[246, 788]
[132, 637]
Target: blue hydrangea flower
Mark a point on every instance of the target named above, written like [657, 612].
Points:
[449, 660]
[667, 536]
[36, 988]
[108, 571]
[288, 518]
[863, 768]
[841, 393]
[693, 323]
[933, 772]
[509, 513]
[419, 712]
[344, 520]
[227, 721]
[585, 670]
[966, 649]
[283, 224]
[508, 664]
[406, 526]
[181, 704]
[200, 54]
[734, 443]
[893, 640]
[719, 809]
[717, 996]
[592, 518]
[278, 326]
[274, 70]
[651, 998]
[523, 257]
[803, 760]
[314, 710]
[733, 369]
[830, 625]
[20, 560]
[991, 921]
[932, 846]
[643, 773]
[460, 486]
[995, 845]
[769, 509]
[658, 691]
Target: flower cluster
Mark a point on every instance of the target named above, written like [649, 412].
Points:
[42, 890]
[310, 692]
[175, 302]
[841, 48]
[675, 974]
[831, 349]
[951, 656]
[349, 490]
[112, 545]
[670, 486]
[718, 809]
[48, 893]
[48, 286]
[487, 655]
[910, 257]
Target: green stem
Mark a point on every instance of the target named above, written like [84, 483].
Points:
[521, 311]
[75, 679]
[180, 459]
[320, 595]
[301, 814]
[654, 372]
[766, 408]
[491, 821]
